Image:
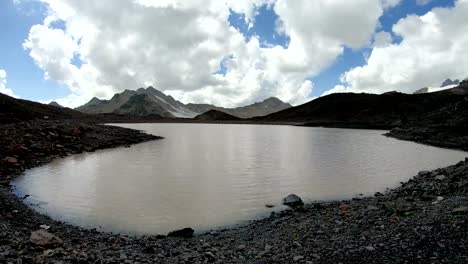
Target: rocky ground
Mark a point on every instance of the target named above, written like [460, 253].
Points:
[423, 221]
[435, 136]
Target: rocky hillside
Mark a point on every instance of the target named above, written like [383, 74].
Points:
[139, 103]
[370, 110]
[446, 126]
[148, 101]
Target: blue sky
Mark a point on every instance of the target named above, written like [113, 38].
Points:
[27, 80]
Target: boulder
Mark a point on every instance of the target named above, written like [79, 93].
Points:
[11, 160]
[185, 233]
[45, 239]
[293, 200]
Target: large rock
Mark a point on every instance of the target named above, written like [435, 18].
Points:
[45, 239]
[293, 200]
[185, 233]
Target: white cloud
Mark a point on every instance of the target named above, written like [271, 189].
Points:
[177, 45]
[382, 39]
[431, 50]
[423, 2]
[391, 3]
[3, 83]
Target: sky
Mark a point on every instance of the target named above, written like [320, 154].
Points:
[228, 53]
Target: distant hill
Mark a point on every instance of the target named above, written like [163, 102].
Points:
[266, 107]
[151, 101]
[12, 110]
[215, 115]
[369, 110]
[53, 103]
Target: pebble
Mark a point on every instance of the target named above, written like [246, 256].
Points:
[297, 244]
[370, 248]
[241, 247]
[460, 210]
[297, 258]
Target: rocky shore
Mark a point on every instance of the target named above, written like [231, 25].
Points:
[425, 220]
[444, 137]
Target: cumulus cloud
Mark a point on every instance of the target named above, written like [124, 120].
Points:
[431, 50]
[423, 2]
[97, 48]
[382, 39]
[3, 83]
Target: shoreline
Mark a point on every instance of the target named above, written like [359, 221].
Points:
[416, 222]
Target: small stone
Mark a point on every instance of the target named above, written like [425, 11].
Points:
[44, 238]
[241, 247]
[266, 251]
[370, 248]
[184, 233]
[269, 205]
[344, 208]
[297, 258]
[210, 255]
[460, 210]
[372, 208]
[293, 200]
[296, 244]
[45, 227]
[206, 246]
[439, 198]
[440, 177]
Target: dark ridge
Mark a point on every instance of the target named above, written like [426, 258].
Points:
[215, 115]
[368, 110]
[14, 110]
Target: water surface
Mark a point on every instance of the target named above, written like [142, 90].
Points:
[208, 176]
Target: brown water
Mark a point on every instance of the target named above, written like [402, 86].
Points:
[209, 176]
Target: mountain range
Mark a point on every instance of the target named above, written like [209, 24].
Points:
[389, 110]
[447, 84]
[151, 101]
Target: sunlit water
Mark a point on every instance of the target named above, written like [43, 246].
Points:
[209, 176]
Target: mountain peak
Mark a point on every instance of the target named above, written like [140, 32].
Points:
[53, 103]
[450, 82]
[275, 101]
[95, 100]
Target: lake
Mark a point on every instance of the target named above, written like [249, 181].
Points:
[209, 176]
